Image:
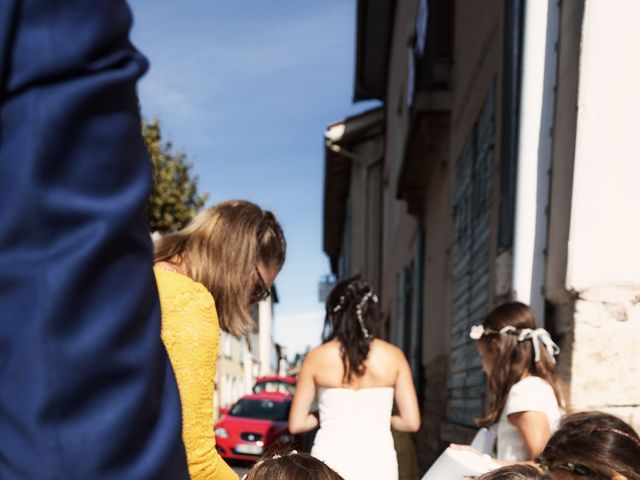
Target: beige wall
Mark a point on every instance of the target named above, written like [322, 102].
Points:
[399, 227]
[478, 37]
[231, 382]
[437, 269]
[364, 194]
[477, 53]
[477, 69]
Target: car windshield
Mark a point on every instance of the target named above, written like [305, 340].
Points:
[261, 409]
[274, 386]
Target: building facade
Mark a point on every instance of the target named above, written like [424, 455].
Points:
[501, 121]
[242, 360]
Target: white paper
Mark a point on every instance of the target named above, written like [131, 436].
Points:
[484, 440]
[456, 464]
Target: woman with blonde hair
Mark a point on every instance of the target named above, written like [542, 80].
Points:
[208, 276]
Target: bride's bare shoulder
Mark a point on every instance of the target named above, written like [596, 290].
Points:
[385, 346]
[324, 351]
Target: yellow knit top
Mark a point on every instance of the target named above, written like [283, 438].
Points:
[190, 333]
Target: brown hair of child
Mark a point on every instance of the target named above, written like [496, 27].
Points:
[291, 466]
[594, 444]
[514, 472]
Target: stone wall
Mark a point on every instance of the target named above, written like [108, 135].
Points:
[606, 355]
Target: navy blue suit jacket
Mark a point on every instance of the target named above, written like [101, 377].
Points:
[86, 388]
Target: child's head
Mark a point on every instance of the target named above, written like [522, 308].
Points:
[514, 472]
[593, 445]
[291, 466]
[512, 346]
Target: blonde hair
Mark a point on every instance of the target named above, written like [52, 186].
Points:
[221, 248]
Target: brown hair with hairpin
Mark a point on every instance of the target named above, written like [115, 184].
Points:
[594, 444]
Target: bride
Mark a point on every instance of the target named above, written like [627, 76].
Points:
[356, 378]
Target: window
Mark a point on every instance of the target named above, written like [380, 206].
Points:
[226, 344]
[261, 409]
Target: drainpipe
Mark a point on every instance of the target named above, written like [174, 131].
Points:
[366, 166]
[537, 102]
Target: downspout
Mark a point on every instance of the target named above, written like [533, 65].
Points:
[366, 166]
[537, 102]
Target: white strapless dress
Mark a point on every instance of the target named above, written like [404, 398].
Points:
[355, 433]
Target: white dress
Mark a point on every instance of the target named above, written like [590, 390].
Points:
[355, 433]
[531, 394]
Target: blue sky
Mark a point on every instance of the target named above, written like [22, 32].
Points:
[246, 89]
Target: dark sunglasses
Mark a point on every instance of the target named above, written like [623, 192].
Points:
[261, 291]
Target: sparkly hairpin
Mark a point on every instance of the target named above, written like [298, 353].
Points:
[619, 432]
[374, 299]
[274, 457]
[292, 452]
[338, 307]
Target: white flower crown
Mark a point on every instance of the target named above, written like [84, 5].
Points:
[537, 337]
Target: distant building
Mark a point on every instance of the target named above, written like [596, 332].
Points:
[502, 164]
[234, 372]
[242, 360]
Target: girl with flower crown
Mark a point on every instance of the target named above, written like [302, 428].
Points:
[357, 378]
[525, 401]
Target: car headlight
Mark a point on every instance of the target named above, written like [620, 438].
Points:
[221, 432]
[285, 438]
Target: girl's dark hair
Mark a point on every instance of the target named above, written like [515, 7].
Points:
[513, 359]
[514, 472]
[349, 302]
[291, 466]
[594, 444]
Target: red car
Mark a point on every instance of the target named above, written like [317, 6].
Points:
[253, 425]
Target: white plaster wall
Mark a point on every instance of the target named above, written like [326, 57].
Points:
[604, 236]
[604, 239]
[265, 342]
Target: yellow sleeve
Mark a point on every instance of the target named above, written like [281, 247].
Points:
[190, 333]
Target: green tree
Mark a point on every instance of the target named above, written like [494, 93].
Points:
[174, 199]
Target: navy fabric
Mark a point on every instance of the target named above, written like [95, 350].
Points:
[86, 388]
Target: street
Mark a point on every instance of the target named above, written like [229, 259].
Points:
[241, 468]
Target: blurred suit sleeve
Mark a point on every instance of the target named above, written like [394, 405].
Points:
[86, 388]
